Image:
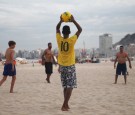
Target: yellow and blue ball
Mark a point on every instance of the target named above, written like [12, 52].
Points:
[66, 16]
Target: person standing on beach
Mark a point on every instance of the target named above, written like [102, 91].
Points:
[48, 58]
[121, 66]
[66, 59]
[9, 67]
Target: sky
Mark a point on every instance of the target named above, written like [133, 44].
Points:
[32, 23]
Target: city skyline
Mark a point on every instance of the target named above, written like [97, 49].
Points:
[32, 23]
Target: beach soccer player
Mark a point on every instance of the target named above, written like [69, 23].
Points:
[66, 59]
[121, 57]
[9, 67]
[49, 59]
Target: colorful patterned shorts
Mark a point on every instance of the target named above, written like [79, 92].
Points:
[68, 76]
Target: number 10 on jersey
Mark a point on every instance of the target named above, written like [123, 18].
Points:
[64, 46]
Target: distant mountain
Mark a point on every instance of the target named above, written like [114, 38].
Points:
[128, 39]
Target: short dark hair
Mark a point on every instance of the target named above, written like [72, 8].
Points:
[66, 30]
[49, 43]
[10, 43]
[121, 46]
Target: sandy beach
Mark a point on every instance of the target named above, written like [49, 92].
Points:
[96, 94]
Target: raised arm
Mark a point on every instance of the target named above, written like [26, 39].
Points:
[77, 25]
[58, 26]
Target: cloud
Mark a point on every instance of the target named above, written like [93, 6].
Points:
[32, 22]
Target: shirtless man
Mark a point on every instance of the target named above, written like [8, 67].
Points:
[9, 67]
[121, 66]
[48, 55]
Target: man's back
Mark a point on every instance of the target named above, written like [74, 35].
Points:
[66, 55]
[9, 55]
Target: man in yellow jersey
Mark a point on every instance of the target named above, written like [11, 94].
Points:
[121, 66]
[66, 59]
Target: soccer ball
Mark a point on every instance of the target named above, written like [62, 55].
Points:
[66, 16]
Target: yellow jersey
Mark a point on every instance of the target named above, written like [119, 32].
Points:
[66, 53]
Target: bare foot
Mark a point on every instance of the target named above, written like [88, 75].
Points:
[11, 92]
[48, 81]
[67, 107]
[64, 109]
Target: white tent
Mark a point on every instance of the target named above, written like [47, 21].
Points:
[21, 60]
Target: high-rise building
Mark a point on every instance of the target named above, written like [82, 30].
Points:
[105, 45]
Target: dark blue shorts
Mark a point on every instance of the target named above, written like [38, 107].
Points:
[121, 68]
[8, 70]
[48, 67]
